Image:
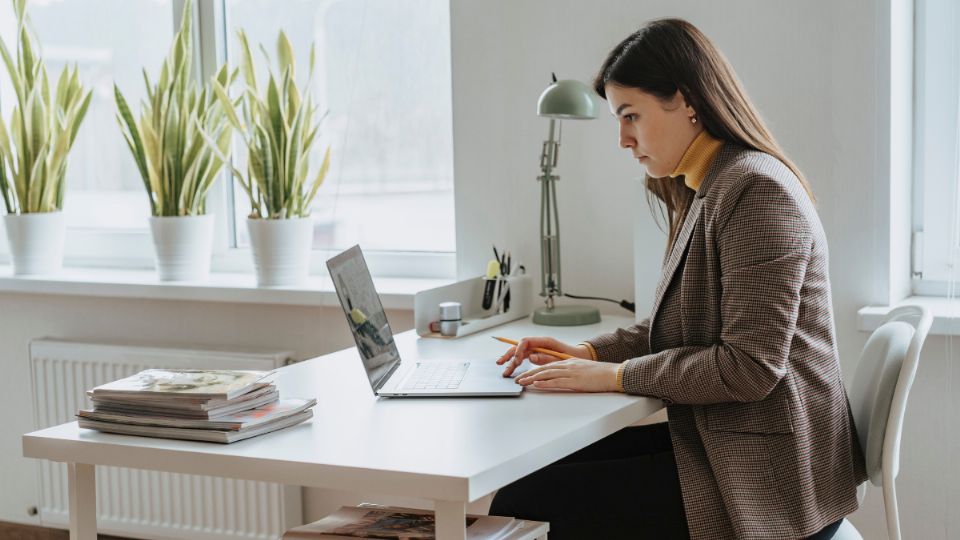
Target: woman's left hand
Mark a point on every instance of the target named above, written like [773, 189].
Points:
[573, 374]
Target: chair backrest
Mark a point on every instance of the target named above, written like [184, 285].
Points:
[878, 399]
[881, 384]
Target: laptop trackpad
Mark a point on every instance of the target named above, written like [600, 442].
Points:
[487, 374]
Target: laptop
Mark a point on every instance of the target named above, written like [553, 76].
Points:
[388, 375]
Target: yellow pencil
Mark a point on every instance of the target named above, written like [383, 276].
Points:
[560, 355]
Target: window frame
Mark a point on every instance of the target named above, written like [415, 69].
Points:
[936, 103]
[133, 249]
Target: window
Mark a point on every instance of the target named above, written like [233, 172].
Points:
[382, 73]
[937, 94]
[387, 90]
[108, 40]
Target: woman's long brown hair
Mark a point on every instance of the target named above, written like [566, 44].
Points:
[667, 55]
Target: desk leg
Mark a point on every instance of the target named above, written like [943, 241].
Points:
[82, 487]
[451, 520]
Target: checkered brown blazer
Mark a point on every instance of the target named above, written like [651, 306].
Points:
[740, 346]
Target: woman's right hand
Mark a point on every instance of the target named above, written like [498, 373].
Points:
[524, 349]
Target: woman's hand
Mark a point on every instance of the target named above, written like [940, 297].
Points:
[573, 374]
[524, 349]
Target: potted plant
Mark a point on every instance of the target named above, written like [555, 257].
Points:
[33, 152]
[177, 164]
[279, 126]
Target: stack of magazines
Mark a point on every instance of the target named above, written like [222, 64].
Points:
[393, 523]
[221, 406]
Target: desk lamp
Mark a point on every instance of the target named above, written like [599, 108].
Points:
[567, 99]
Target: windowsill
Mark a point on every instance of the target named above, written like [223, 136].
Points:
[946, 314]
[395, 293]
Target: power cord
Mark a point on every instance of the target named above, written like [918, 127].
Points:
[629, 306]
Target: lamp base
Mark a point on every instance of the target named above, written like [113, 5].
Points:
[566, 316]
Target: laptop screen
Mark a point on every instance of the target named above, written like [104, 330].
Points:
[365, 315]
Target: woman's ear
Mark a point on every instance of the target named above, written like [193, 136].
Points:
[683, 102]
[678, 101]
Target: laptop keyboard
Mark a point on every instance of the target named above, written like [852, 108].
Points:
[436, 376]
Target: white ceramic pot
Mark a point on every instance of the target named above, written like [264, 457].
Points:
[281, 250]
[183, 246]
[36, 242]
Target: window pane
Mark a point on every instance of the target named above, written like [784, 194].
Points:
[109, 40]
[937, 89]
[383, 73]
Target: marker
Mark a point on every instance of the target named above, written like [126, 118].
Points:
[490, 287]
[506, 298]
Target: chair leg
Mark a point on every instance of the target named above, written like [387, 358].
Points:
[890, 504]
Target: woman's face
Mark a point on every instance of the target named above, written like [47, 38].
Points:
[656, 132]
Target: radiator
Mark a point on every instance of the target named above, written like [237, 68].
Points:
[150, 504]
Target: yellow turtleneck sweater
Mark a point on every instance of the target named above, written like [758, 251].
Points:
[697, 159]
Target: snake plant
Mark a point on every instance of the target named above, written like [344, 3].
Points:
[35, 144]
[177, 164]
[278, 128]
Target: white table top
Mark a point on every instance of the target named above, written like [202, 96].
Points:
[456, 449]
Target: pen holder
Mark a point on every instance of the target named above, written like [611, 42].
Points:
[470, 293]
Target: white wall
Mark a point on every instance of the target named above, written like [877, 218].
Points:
[808, 66]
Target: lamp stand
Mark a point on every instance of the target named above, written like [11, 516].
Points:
[551, 314]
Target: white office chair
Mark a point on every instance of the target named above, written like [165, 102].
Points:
[878, 398]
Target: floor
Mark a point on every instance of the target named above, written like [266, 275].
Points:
[16, 531]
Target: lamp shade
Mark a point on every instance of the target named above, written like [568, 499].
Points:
[567, 99]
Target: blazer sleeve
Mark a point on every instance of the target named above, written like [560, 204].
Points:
[623, 343]
[763, 238]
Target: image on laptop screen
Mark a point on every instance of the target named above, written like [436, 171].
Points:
[364, 312]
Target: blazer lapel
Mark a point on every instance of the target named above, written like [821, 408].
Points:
[689, 224]
[676, 254]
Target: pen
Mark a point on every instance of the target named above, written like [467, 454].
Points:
[560, 355]
[503, 295]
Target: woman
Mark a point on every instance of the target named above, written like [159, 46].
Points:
[740, 344]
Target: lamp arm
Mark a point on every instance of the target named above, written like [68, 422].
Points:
[556, 235]
[544, 265]
[549, 223]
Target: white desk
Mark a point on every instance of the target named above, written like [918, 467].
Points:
[452, 451]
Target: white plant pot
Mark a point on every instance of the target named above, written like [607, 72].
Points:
[281, 250]
[36, 242]
[183, 246]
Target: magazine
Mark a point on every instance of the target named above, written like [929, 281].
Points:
[190, 384]
[393, 523]
[234, 422]
[184, 402]
[165, 408]
[207, 435]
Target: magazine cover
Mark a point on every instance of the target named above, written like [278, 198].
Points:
[392, 526]
[187, 383]
[392, 523]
